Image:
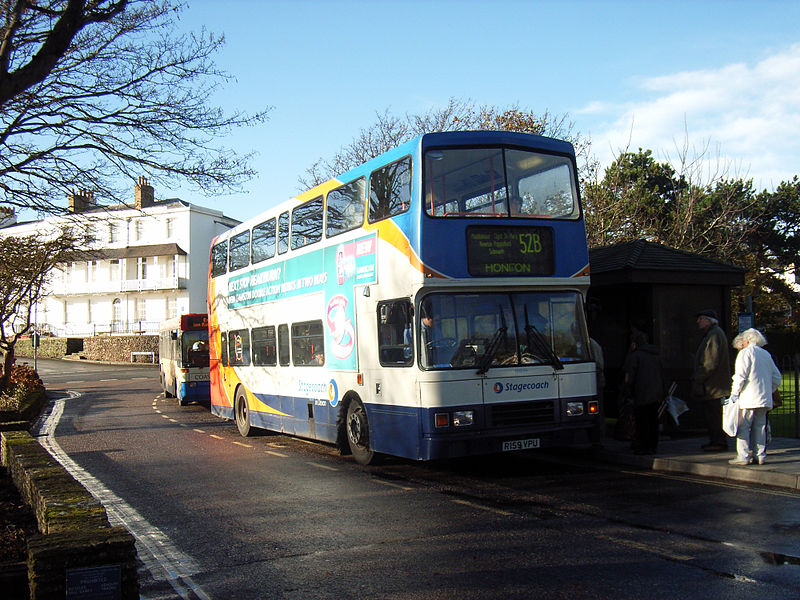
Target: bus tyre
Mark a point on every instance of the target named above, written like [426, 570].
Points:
[358, 433]
[242, 412]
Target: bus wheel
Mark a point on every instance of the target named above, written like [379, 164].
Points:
[358, 433]
[242, 412]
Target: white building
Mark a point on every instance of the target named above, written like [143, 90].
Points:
[146, 263]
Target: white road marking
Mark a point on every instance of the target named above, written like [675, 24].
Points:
[482, 507]
[319, 466]
[159, 556]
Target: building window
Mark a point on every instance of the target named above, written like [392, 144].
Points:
[170, 228]
[116, 312]
[172, 307]
[138, 230]
[113, 233]
[142, 268]
[141, 309]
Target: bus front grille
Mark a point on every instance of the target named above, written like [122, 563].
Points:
[521, 413]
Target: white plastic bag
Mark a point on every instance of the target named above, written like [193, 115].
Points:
[730, 417]
[676, 407]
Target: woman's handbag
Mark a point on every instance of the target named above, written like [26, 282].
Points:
[777, 401]
[730, 417]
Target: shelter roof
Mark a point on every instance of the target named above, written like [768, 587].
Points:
[641, 261]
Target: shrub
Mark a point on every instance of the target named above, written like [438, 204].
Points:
[23, 382]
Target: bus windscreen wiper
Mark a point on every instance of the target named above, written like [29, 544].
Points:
[537, 341]
[498, 340]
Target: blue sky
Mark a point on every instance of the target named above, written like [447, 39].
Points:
[723, 77]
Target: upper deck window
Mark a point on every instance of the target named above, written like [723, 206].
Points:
[240, 250]
[283, 232]
[307, 223]
[498, 182]
[219, 258]
[345, 209]
[390, 190]
[263, 245]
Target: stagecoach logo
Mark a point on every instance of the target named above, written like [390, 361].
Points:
[333, 393]
[501, 387]
[341, 327]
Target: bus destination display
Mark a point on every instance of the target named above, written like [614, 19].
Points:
[510, 251]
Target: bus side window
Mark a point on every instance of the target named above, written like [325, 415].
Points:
[395, 348]
[345, 208]
[263, 244]
[390, 190]
[308, 345]
[283, 232]
[223, 354]
[240, 250]
[264, 354]
[307, 223]
[283, 345]
[219, 259]
[239, 347]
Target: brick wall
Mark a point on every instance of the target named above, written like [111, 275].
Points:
[73, 525]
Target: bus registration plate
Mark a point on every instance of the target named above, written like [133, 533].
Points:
[520, 444]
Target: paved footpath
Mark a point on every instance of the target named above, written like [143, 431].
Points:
[684, 455]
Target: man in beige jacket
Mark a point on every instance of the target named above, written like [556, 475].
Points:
[711, 381]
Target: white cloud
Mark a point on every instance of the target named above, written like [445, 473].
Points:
[748, 115]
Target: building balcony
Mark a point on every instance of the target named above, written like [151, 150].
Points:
[120, 286]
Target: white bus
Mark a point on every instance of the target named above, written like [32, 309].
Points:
[427, 304]
[183, 358]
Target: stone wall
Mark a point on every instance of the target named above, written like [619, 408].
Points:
[118, 348]
[49, 347]
[76, 545]
[110, 348]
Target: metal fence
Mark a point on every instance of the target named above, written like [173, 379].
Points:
[93, 329]
[785, 419]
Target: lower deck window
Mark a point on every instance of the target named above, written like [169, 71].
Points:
[308, 344]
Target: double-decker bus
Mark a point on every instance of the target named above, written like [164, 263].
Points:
[183, 358]
[426, 304]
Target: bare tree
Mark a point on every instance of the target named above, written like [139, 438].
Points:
[389, 131]
[25, 264]
[94, 93]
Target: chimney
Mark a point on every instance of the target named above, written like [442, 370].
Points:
[7, 216]
[143, 193]
[81, 201]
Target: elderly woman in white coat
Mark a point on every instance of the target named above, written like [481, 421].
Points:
[754, 380]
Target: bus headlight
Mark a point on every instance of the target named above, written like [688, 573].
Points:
[462, 418]
[574, 409]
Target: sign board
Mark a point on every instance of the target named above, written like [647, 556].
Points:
[510, 251]
[94, 583]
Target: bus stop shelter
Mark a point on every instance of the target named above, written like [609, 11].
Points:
[656, 289]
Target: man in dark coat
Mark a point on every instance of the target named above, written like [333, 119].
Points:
[644, 384]
[711, 381]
